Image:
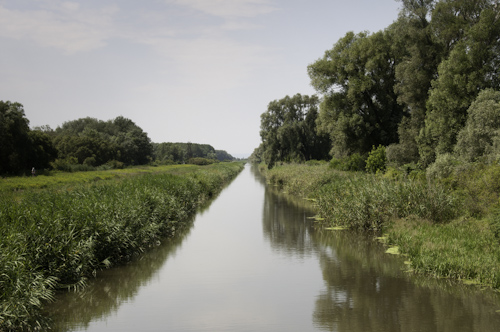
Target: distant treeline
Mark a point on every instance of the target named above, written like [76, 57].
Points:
[424, 90]
[183, 152]
[85, 144]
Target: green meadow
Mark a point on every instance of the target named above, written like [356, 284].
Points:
[57, 231]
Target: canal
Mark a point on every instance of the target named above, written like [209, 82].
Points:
[254, 261]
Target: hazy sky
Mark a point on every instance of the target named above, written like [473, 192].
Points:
[183, 70]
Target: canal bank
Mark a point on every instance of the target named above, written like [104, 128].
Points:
[254, 261]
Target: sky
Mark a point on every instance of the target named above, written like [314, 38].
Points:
[200, 71]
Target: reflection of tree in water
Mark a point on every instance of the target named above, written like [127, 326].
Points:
[286, 224]
[366, 291]
[112, 287]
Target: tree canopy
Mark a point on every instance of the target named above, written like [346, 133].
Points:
[21, 148]
[95, 142]
[182, 152]
[288, 131]
[421, 88]
[359, 107]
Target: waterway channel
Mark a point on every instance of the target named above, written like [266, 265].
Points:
[253, 260]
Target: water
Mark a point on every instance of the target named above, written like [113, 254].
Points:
[253, 261]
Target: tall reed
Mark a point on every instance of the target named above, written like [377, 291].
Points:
[366, 201]
[58, 238]
[434, 224]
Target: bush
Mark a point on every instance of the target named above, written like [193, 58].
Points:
[443, 167]
[201, 161]
[115, 164]
[377, 160]
[314, 162]
[354, 162]
[481, 131]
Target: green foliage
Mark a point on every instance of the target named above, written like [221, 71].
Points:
[21, 148]
[430, 223]
[472, 65]
[181, 152]
[444, 167]
[365, 201]
[409, 86]
[201, 161]
[94, 142]
[57, 238]
[464, 250]
[354, 162]
[480, 136]
[406, 151]
[288, 131]
[356, 78]
[377, 160]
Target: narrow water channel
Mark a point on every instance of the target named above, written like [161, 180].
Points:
[253, 261]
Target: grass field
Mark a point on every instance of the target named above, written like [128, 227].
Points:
[61, 180]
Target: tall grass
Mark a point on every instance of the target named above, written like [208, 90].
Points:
[58, 238]
[364, 201]
[465, 250]
[447, 228]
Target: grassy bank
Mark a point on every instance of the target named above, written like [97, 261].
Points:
[445, 228]
[57, 237]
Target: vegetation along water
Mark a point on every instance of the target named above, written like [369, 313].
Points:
[59, 236]
[452, 233]
[409, 120]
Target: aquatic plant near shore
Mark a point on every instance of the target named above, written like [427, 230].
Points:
[58, 238]
[435, 225]
[360, 200]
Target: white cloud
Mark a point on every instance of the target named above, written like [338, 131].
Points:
[64, 25]
[207, 64]
[229, 8]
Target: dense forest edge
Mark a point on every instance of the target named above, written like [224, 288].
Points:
[403, 137]
[56, 238]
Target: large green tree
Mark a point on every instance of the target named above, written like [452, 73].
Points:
[95, 142]
[421, 54]
[357, 78]
[480, 136]
[288, 131]
[14, 137]
[473, 64]
[22, 148]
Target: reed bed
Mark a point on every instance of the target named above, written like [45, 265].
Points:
[435, 225]
[364, 201]
[57, 238]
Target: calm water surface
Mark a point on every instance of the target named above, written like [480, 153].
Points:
[253, 261]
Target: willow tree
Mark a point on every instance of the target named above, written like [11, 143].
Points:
[288, 131]
[356, 78]
[473, 65]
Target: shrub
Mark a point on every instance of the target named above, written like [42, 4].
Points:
[354, 162]
[377, 160]
[201, 161]
[481, 130]
[443, 167]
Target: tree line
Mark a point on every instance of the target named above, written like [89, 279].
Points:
[423, 89]
[184, 152]
[86, 143]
